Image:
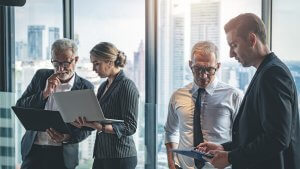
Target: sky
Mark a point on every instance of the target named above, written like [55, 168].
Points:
[122, 22]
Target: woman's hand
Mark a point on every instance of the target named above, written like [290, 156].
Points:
[81, 122]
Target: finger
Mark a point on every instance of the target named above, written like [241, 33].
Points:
[56, 133]
[207, 159]
[85, 120]
[80, 119]
[202, 144]
[50, 134]
[213, 152]
[76, 124]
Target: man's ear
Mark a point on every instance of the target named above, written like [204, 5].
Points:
[76, 59]
[252, 39]
[218, 65]
[190, 64]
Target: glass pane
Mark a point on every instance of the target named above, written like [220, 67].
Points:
[37, 25]
[285, 47]
[180, 25]
[123, 24]
[8, 141]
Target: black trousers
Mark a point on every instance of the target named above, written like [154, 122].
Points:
[44, 157]
[115, 163]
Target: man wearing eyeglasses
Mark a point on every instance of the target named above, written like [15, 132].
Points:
[203, 110]
[51, 149]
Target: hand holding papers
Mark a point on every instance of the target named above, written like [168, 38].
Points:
[193, 154]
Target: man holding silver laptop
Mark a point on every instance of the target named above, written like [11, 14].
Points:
[51, 149]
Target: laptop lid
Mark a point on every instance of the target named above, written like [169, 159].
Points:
[80, 103]
[40, 120]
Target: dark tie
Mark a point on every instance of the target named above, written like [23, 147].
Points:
[198, 136]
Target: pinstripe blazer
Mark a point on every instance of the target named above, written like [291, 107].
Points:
[120, 101]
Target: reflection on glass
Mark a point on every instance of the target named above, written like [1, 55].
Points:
[180, 25]
[123, 24]
[285, 47]
[7, 131]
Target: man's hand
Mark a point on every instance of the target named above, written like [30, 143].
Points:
[220, 159]
[81, 121]
[57, 137]
[208, 146]
[51, 84]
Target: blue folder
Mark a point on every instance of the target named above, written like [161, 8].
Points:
[193, 154]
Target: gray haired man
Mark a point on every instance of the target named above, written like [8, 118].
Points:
[51, 149]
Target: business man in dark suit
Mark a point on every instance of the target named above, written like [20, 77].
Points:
[51, 149]
[266, 132]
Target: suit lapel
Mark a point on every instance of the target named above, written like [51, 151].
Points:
[268, 59]
[111, 88]
[77, 83]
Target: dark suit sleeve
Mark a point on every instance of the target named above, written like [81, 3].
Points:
[33, 97]
[227, 146]
[275, 113]
[129, 99]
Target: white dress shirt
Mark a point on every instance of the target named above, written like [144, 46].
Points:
[219, 107]
[43, 138]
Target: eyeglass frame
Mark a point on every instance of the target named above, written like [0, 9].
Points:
[205, 70]
[62, 63]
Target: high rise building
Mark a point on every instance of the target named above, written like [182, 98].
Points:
[139, 69]
[53, 35]
[21, 51]
[35, 42]
[205, 21]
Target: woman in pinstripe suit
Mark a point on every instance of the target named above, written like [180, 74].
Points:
[118, 97]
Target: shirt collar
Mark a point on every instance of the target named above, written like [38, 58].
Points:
[69, 84]
[209, 89]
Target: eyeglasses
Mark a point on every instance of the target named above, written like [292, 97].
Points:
[206, 70]
[64, 64]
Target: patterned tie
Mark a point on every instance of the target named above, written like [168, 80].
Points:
[198, 136]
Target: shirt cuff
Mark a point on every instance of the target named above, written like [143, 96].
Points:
[171, 138]
[118, 129]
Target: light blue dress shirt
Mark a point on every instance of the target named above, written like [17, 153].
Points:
[219, 107]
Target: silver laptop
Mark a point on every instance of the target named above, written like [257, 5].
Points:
[80, 103]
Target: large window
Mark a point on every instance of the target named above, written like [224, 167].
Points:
[37, 25]
[123, 24]
[285, 36]
[180, 25]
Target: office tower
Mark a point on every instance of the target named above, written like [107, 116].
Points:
[139, 69]
[20, 51]
[164, 58]
[35, 42]
[53, 35]
[205, 21]
[177, 55]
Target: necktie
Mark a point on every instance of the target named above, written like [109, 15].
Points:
[198, 136]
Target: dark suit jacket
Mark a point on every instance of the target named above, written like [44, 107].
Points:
[120, 101]
[266, 133]
[32, 98]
